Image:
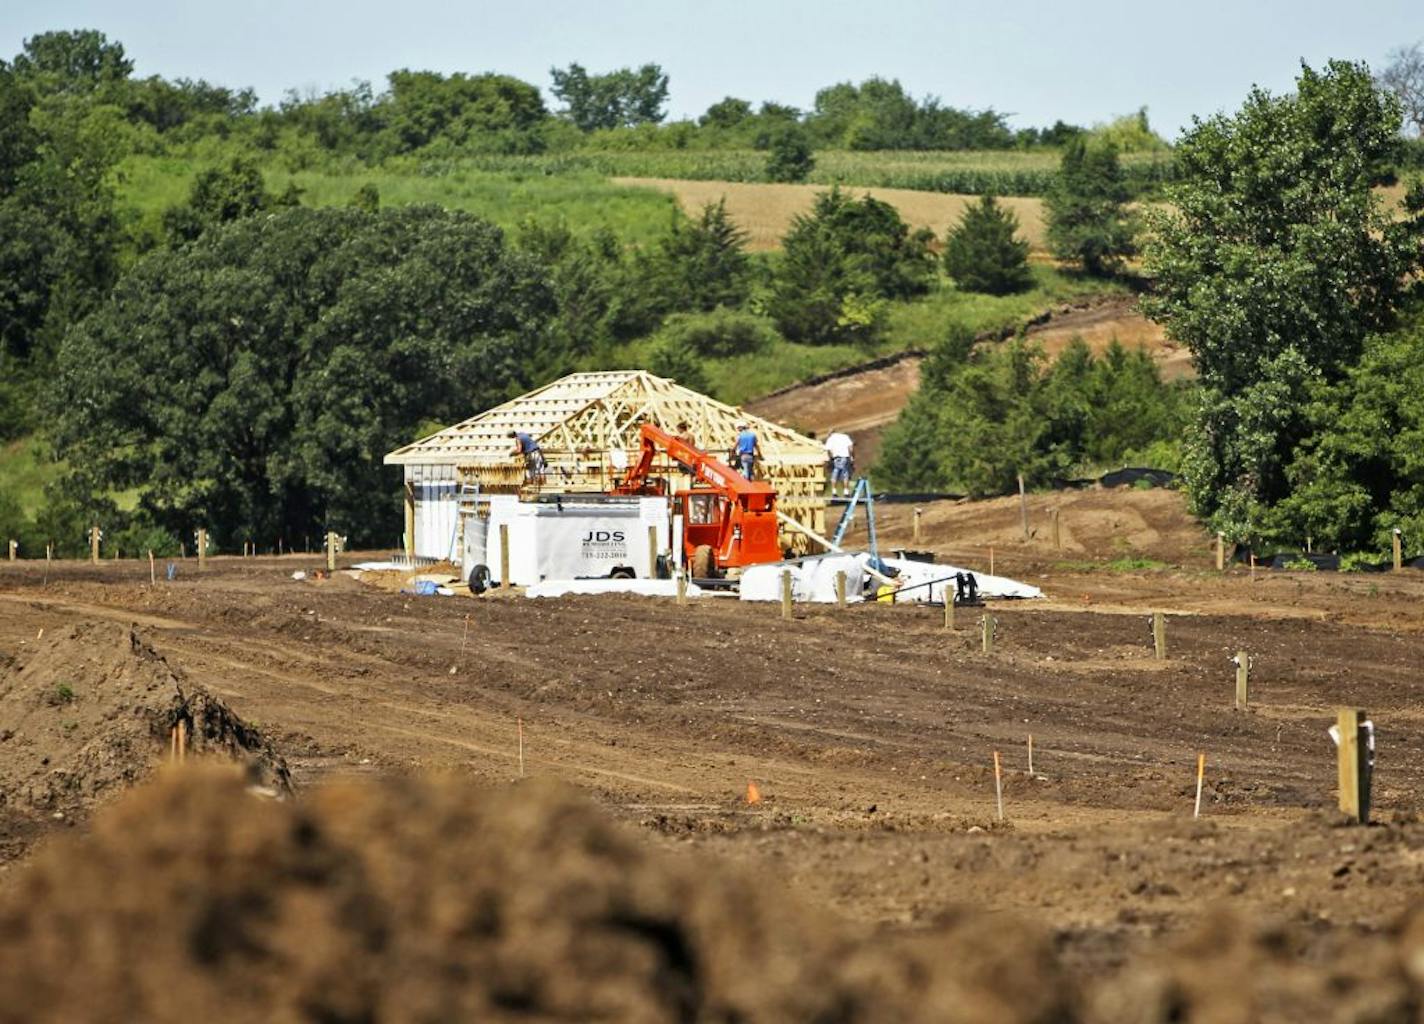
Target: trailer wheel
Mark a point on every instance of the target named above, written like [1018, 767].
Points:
[479, 579]
[623, 572]
[704, 564]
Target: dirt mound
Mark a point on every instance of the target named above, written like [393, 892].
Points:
[1231, 970]
[92, 709]
[418, 901]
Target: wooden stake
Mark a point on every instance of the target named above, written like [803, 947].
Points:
[1220, 551]
[94, 544]
[1243, 679]
[1353, 765]
[1030, 755]
[49, 554]
[841, 588]
[652, 552]
[917, 526]
[786, 593]
[1057, 535]
[14, 546]
[1159, 635]
[991, 559]
[1398, 550]
[330, 550]
[182, 740]
[998, 785]
[986, 630]
[504, 574]
[1201, 772]
[202, 549]
[521, 746]
[465, 639]
[681, 588]
[1023, 507]
[152, 570]
[948, 608]
[1253, 565]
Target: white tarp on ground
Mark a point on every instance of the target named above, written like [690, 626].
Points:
[644, 588]
[927, 572]
[812, 579]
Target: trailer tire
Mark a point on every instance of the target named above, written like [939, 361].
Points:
[479, 579]
[704, 563]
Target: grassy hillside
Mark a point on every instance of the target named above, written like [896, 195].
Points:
[916, 324]
[23, 473]
[148, 185]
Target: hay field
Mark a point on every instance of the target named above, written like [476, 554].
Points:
[765, 211]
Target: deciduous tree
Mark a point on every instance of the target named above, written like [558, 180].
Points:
[1273, 262]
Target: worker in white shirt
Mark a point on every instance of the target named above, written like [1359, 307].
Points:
[842, 452]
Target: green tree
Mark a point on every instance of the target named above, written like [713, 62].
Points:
[1086, 209]
[1273, 262]
[704, 262]
[839, 263]
[1359, 473]
[982, 416]
[219, 195]
[59, 231]
[82, 61]
[726, 113]
[626, 97]
[982, 252]
[489, 112]
[253, 379]
[790, 158]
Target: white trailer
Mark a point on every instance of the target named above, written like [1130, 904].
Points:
[568, 537]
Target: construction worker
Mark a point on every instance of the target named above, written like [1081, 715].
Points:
[841, 450]
[746, 450]
[526, 446]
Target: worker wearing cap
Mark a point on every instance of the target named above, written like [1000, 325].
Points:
[525, 445]
[841, 449]
[746, 450]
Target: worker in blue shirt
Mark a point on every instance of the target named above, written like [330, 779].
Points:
[526, 446]
[747, 450]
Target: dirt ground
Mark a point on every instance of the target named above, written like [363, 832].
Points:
[864, 403]
[869, 732]
[765, 211]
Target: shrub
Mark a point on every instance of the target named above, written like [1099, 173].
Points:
[721, 333]
[790, 158]
[982, 254]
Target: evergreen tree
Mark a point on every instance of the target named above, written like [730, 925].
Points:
[982, 253]
[1086, 209]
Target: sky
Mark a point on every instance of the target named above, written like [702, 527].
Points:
[1085, 61]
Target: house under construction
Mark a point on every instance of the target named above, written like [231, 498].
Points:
[587, 426]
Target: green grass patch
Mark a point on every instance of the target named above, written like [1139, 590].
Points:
[148, 185]
[972, 172]
[24, 472]
[924, 321]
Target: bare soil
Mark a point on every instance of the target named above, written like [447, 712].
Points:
[870, 735]
[865, 402]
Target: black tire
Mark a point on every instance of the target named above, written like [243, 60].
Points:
[704, 563]
[623, 572]
[479, 579]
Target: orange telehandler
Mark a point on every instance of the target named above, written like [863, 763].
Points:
[728, 521]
